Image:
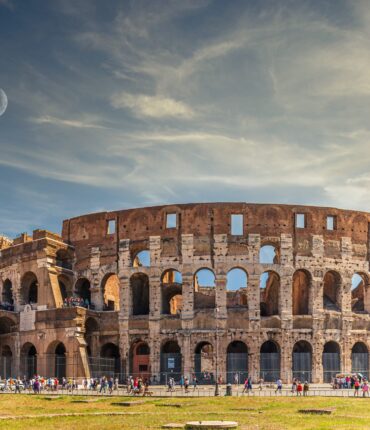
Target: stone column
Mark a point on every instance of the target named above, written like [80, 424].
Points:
[187, 312]
[253, 297]
[221, 295]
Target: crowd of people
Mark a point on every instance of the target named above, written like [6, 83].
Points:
[355, 381]
[71, 302]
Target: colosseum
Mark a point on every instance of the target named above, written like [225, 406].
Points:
[214, 290]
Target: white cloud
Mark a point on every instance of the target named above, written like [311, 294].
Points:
[47, 119]
[152, 106]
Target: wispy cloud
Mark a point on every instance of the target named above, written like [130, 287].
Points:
[152, 106]
[46, 119]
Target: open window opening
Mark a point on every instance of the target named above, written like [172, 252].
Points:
[171, 287]
[142, 259]
[301, 292]
[139, 283]
[332, 288]
[269, 293]
[204, 289]
[236, 288]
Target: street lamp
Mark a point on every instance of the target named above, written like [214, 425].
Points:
[217, 391]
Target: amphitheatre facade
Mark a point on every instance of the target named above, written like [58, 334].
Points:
[216, 290]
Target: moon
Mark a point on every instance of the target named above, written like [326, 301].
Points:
[3, 101]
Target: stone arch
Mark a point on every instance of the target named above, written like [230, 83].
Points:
[57, 355]
[236, 288]
[6, 361]
[359, 284]
[204, 365]
[29, 288]
[139, 288]
[331, 361]
[269, 254]
[65, 286]
[360, 358]
[83, 290]
[140, 359]
[64, 259]
[7, 297]
[111, 360]
[237, 362]
[302, 361]
[171, 360]
[110, 289]
[204, 289]
[28, 364]
[269, 293]
[301, 292]
[171, 288]
[332, 291]
[270, 361]
[142, 259]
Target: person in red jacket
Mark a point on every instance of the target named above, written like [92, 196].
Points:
[299, 388]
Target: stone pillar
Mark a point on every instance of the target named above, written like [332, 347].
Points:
[254, 359]
[286, 363]
[187, 312]
[253, 296]
[155, 295]
[221, 296]
[95, 281]
[285, 301]
[187, 358]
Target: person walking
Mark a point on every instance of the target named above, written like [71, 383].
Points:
[279, 386]
[186, 384]
[357, 387]
[299, 389]
[195, 382]
[365, 389]
[306, 387]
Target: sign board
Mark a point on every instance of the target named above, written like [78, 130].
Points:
[170, 363]
[27, 319]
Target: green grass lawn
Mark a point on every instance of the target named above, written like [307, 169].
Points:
[250, 413]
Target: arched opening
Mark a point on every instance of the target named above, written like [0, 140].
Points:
[358, 290]
[301, 292]
[111, 360]
[28, 360]
[332, 287]
[302, 361]
[331, 360]
[171, 361]
[360, 359]
[142, 259]
[139, 283]
[237, 362]
[92, 341]
[204, 289]
[65, 286]
[140, 360]
[270, 361]
[236, 288]
[111, 292]
[63, 259]
[269, 293]
[60, 361]
[6, 325]
[171, 287]
[83, 292]
[203, 363]
[29, 288]
[6, 362]
[269, 254]
[7, 300]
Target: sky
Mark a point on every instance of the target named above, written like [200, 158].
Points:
[122, 104]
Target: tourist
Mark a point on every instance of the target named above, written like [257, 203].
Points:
[182, 382]
[236, 379]
[279, 386]
[116, 384]
[110, 385]
[249, 382]
[245, 389]
[365, 389]
[195, 382]
[357, 387]
[186, 384]
[294, 386]
[306, 387]
[299, 389]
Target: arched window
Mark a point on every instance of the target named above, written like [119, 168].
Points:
[358, 290]
[28, 359]
[7, 295]
[204, 289]
[83, 291]
[6, 361]
[142, 259]
[140, 359]
[65, 286]
[139, 283]
[269, 293]
[332, 287]
[204, 363]
[171, 361]
[29, 288]
[236, 287]
[360, 359]
[111, 292]
[64, 259]
[171, 292]
[269, 254]
[301, 292]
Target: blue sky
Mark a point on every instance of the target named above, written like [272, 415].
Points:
[115, 105]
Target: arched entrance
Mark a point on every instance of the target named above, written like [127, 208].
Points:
[203, 363]
[29, 360]
[7, 298]
[139, 286]
[302, 361]
[301, 292]
[110, 364]
[270, 361]
[140, 360]
[83, 291]
[360, 359]
[29, 288]
[6, 362]
[171, 287]
[331, 360]
[60, 361]
[171, 361]
[237, 362]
